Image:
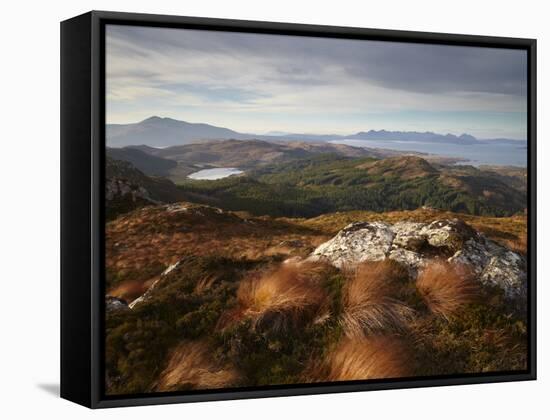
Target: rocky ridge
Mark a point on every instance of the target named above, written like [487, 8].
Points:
[115, 188]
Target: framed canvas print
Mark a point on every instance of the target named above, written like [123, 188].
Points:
[256, 209]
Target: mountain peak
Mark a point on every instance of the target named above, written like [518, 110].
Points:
[159, 131]
[154, 118]
[465, 136]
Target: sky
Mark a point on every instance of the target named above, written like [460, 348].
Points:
[256, 83]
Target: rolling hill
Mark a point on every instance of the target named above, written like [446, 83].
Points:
[299, 179]
[177, 162]
[329, 183]
[143, 160]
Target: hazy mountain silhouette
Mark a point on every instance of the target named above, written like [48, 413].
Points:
[164, 132]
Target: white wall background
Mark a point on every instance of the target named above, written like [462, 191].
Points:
[29, 210]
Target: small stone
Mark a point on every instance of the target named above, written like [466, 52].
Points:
[113, 304]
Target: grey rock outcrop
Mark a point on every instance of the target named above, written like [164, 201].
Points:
[118, 188]
[415, 244]
[113, 304]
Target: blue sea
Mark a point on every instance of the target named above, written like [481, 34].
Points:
[475, 154]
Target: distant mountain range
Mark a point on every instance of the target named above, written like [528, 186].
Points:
[414, 136]
[164, 132]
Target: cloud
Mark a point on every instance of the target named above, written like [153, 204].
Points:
[221, 76]
[445, 69]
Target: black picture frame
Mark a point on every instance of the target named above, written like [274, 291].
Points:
[82, 198]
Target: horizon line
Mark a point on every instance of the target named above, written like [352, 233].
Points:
[287, 133]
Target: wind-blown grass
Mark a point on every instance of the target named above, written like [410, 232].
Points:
[369, 305]
[446, 287]
[375, 357]
[283, 298]
[191, 366]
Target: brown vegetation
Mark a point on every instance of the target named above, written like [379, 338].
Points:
[141, 244]
[377, 357]
[131, 289]
[518, 244]
[287, 296]
[369, 302]
[191, 366]
[498, 229]
[446, 287]
[250, 320]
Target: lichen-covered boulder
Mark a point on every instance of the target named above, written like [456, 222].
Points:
[357, 242]
[415, 244]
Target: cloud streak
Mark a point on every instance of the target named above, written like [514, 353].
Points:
[257, 83]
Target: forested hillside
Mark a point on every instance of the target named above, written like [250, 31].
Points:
[329, 183]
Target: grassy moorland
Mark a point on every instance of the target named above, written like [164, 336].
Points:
[232, 313]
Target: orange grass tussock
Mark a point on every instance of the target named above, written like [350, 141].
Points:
[131, 289]
[190, 366]
[446, 287]
[376, 357]
[283, 298]
[369, 305]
